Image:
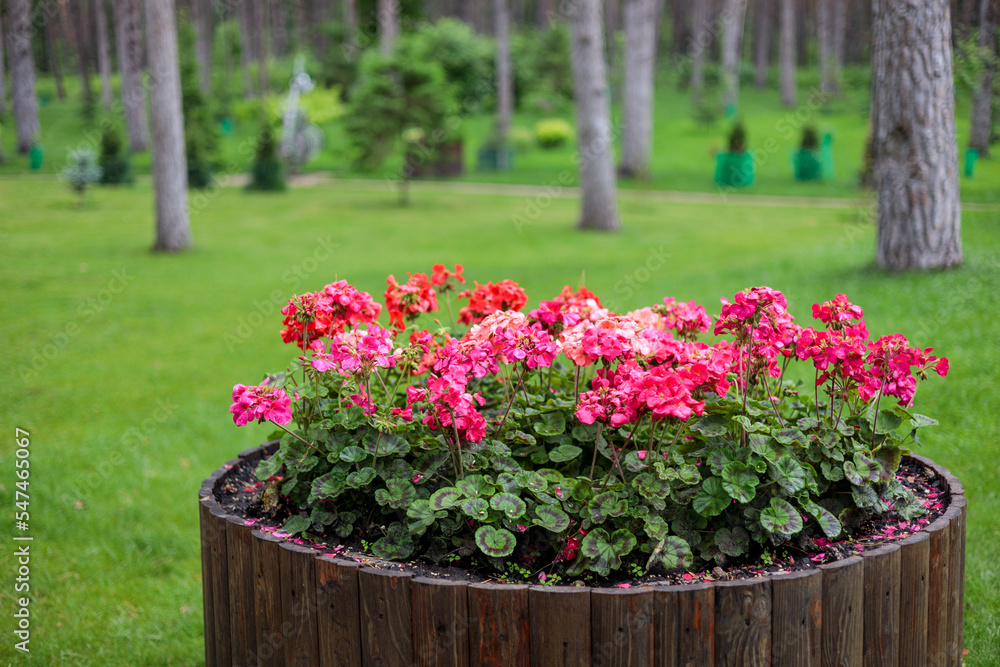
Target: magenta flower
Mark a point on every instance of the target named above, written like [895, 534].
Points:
[260, 403]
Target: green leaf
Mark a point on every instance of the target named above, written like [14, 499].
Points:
[353, 454]
[511, 506]
[296, 524]
[606, 504]
[656, 527]
[831, 471]
[887, 421]
[397, 494]
[270, 466]
[828, 523]
[386, 444]
[362, 477]
[732, 541]
[550, 423]
[739, 482]
[445, 498]
[865, 497]
[521, 438]
[421, 516]
[475, 486]
[712, 499]
[328, 486]
[710, 426]
[396, 544]
[788, 473]
[920, 421]
[551, 518]
[605, 552]
[860, 470]
[564, 453]
[531, 481]
[780, 517]
[495, 542]
[689, 473]
[477, 508]
[807, 423]
[673, 552]
[790, 436]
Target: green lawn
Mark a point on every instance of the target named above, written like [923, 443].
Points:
[120, 363]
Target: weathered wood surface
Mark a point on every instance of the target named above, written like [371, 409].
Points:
[499, 625]
[339, 608]
[743, 622]
[298, 605]
[797, 619]
[557, 616]
[267, 600]
[440, 622]
[386, 617]
[242, 596]
[914, 572]
[881, 608]
[843, 612]
[621, 627]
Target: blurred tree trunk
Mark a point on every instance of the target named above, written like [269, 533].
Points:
[260, 46]
[80, 36]
[129, 42]
[3, 71]
[699, 45]
[351, 22]
[505, 81]
[24, 102]
[543, 12]
[787, 56]
[763, 19]
[103, 52]
[201, 17]
[52, 53]
[824, 35]
[279, 28]
[173, 227]
[803, 14]
[839, 27]
[612, 12]
[320, 15]
[637, 98]
[595, 146]
[246, 47]
[913, 136]
[982, 102]
[388, 25]
[680, 12]
[733, 17]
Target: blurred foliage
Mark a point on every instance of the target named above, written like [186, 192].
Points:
[552, 132]
[543, 71]
[267, 173]
[116, 167]
[201, 136]
[467, 59]
[971, 62]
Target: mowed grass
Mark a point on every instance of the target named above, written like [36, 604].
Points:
[120, 363]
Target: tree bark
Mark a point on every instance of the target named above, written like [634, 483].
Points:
[260, 46]
[700, 42]
[133, 92]
[80, 21]
[3, 72]
[201, 16]
[837, 42]
[680, 10]
[352, 23]
[543, 13]
[593, 119]
[733, 17]
[913, 136]
[388, 25]
[505, 81]
[103, 52]
[24, 102]
[637, 100]
[52, 51]
[246, 47]
[789, 93]
[612, 12]
[803, 16]
[982, 102]
[279, 29]
[824, 34]
[762, 41]
[173, 227]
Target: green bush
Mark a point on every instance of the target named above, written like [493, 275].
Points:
[810, 138]
[738, 138]
[268, 173]
[467, 59]
[116, 167]
[552, 132]
[201, 136]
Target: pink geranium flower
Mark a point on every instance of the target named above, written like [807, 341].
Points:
[260, 403]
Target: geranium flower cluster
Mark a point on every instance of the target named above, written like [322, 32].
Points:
[327, 312]
[405, 302]
[489, 298]
[263, 403]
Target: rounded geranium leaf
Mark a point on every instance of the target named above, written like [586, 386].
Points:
[384, 444]
[397, 543]
[712, 499]
[512, 506]
[781, 517]
[397, 494]
[673, 552]
[296, 524]
[732, 541]
[861, 470]
[421, 517]
[550, 423]
[477, 508]
[564, 453]
[606, 551]
[475, 486]
[328, 486]
[495, 542]
[788, 473]
[445, 498]
[353, 454]
[551, 518]
[827, 521]
[740, 482]
[362, 477]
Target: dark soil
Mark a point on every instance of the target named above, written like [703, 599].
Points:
[240, 495]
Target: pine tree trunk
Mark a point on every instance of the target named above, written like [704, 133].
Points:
[733, 17]
[839, 28]
[103, 52]
[260, 46]
[595, 147]
[700, 43]
[612, 12]
[505, 81]
[388, 25]
[803, 19]
[824, 34]
[80, 37]
[982, 102]
[201, 16]
[762, 41]
[24, 102]
[680, 10]
[637, 99]
[246, 48]
[133, 92]
[3, 72]
[52, 51]
[173, 227]
[913, 136]
[789, 93]
[279, 30]
[320, 15]
[543, 12]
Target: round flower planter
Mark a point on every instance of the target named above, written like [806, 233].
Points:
[268, 602]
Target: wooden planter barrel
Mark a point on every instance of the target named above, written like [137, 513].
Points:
[269, 602]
